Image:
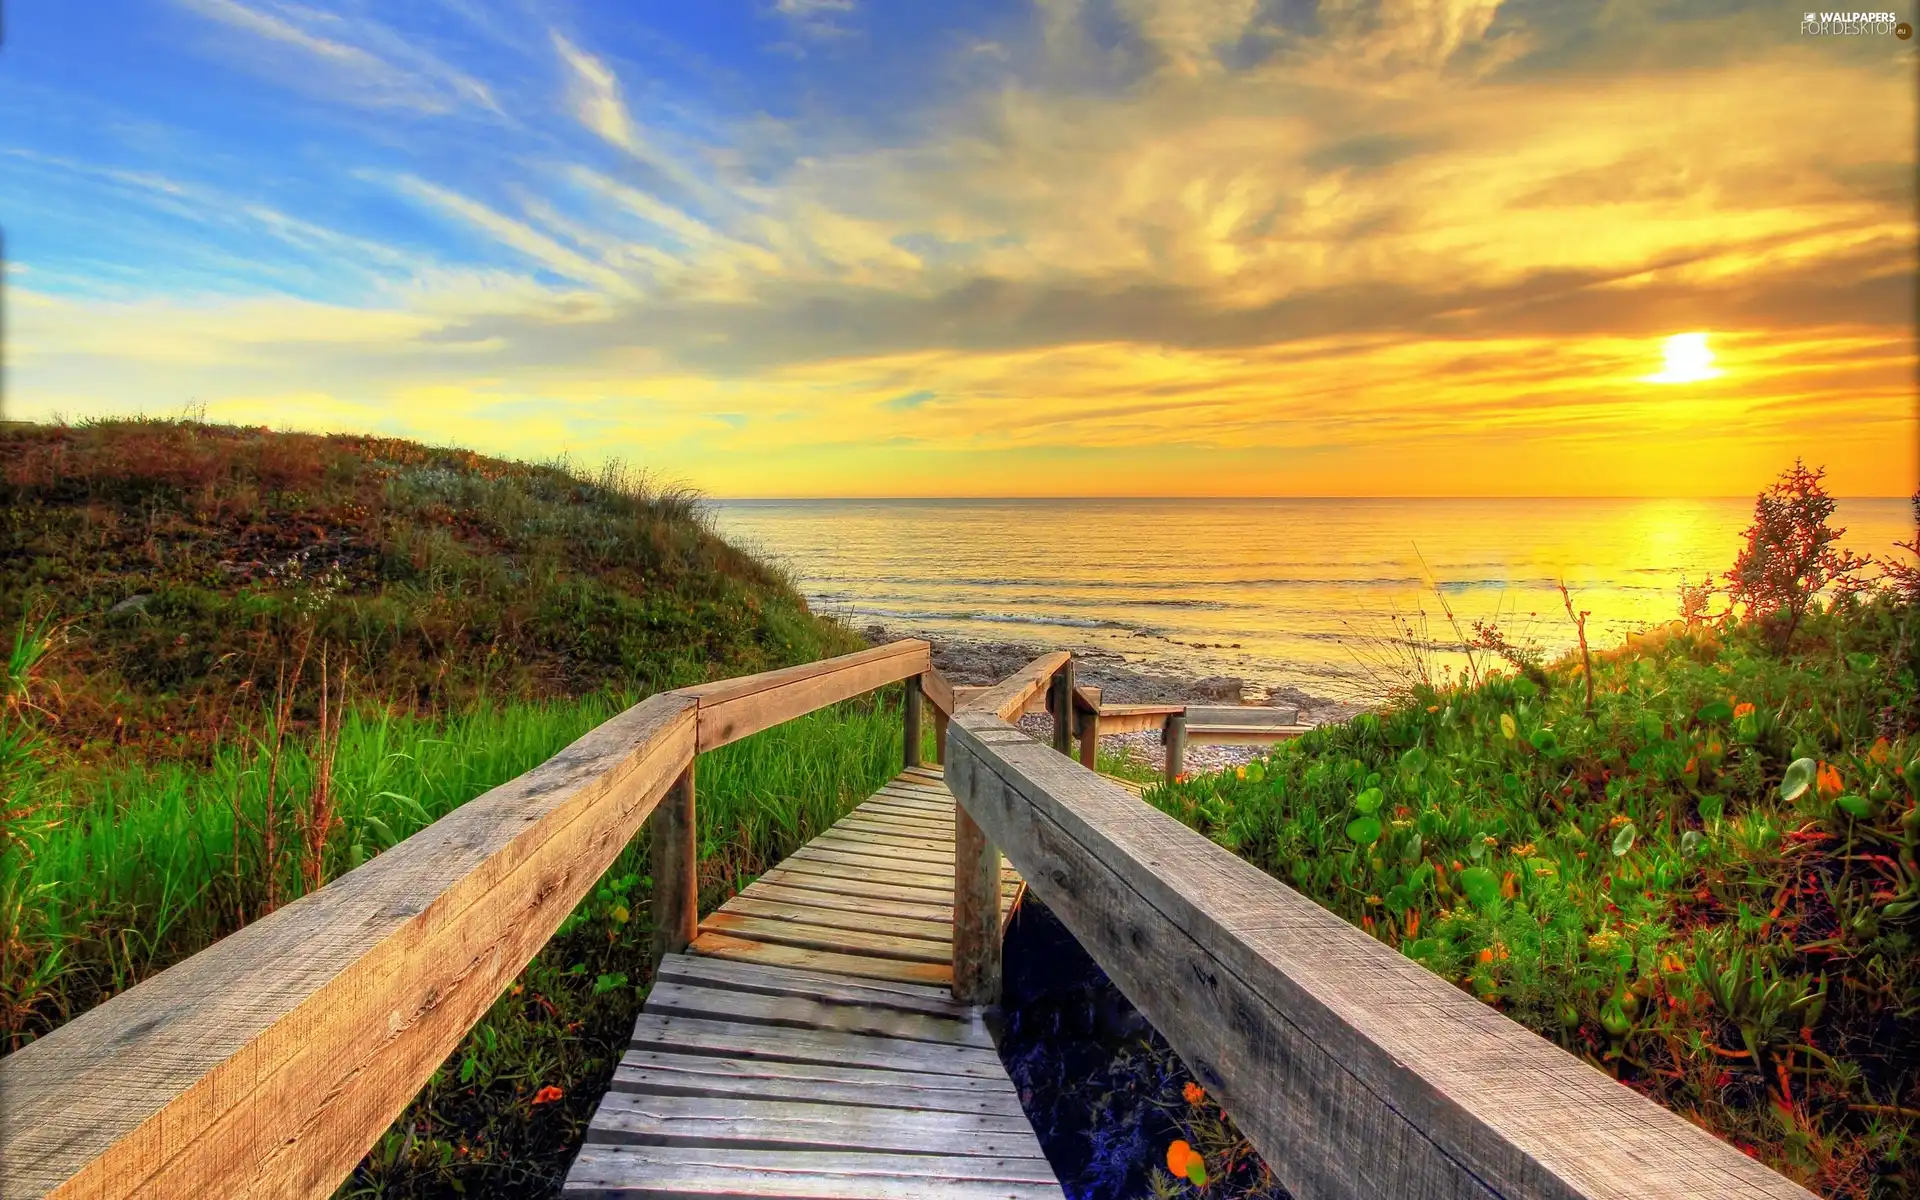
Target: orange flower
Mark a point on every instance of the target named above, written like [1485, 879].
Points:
[1177, 1156]
[1486, 955]
[1509, 885]
[1878, 754]
[1193, 1092]
[1829, 781]
[547, 1095]
[1413, 922]
[1742, 710]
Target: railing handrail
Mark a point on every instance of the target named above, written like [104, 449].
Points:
[1354, 1070]
[270, 1062]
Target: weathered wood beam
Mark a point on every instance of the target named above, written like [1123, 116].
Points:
[1060, 699]
[1354, 1070]
[1009, 697]
[911, 710]
[938, 689]
[1175, 737]
[976, 912]
[735, 708]
[269, 1063]
[675, 862]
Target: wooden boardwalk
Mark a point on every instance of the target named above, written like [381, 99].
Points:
[808, 1045]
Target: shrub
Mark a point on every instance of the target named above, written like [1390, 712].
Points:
[1791, 555]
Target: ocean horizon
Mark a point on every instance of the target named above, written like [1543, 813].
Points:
[1323, 594]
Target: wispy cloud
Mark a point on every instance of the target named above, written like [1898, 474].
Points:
[1331, 248]
[356, 61]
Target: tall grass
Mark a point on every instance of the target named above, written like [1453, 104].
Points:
[131, 866]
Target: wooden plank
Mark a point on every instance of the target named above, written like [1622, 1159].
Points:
[802, 1012]
[886, 833]
[875, 822]
[860, 906]
[923, 790]
[1348, 1065]
[837, 918]
[938, 690]
[913, 717]
[976, 913]
[1240, 714]
[692, 1035]
[606, 1172]
[1176, 742]
[1007, 698]
[1060, 700]
[676, 868]
[1086, 698]
[666, 1074]
[894, 848]
[1123, 722]
[736, 708]
[271, 1062]
[1245, 735]
[719, 945]
[635, 1118]
[791, 981]
[913, 874]
[1141, 710]
[880, 885]
[814, 937]
[1089, 740]
[926, 774]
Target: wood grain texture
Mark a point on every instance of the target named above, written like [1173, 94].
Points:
[668, 1074]
[911, 706]
[736, 708]
[612, 1172]
[976, 913]
[1010, 697]
[938, 690]
[1061, 700]
[1175, 738]
[1353, 1069]
[1242, 735]
[676, 868]
[863, 966]
[1112, 722]
[1089, 734]
[269, 1063]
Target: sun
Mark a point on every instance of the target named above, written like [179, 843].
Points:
[1687, 360]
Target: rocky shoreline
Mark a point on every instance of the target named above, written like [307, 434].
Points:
[964, 661]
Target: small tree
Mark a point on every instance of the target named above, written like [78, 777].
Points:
[1791, 555]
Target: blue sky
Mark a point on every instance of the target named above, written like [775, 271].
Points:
[852, 247]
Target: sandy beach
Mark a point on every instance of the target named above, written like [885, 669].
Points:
[966, 661]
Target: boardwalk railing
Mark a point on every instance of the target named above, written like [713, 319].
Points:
[1354, 1070]
[269, 1063]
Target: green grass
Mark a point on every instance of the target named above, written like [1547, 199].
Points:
[190, 568]
[131, 866]
[1636, 883]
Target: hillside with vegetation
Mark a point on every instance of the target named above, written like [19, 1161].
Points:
[242, 662]
[1693, 860]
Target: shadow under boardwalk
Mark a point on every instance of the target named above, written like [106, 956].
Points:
[808, 1044]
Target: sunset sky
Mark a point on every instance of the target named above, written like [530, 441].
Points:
[1115, 247]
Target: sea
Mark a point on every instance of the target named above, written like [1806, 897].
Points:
[1340, 598]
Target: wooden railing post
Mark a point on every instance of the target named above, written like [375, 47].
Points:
[976, 913]
[913, 711]
[676, 869]
[1089, 739]
[1176, 739]
[1061, 699]
[939, 737]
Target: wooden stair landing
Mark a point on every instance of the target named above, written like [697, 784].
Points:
[808, 1044]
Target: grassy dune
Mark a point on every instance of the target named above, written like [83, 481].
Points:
[245, 662]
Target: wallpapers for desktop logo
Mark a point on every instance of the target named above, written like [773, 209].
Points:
[1854, 24]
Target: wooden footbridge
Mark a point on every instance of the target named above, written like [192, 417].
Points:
[828, 1032]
